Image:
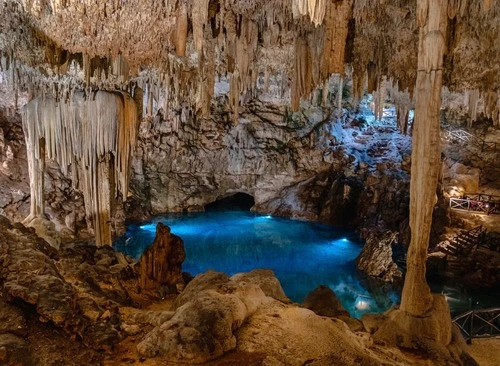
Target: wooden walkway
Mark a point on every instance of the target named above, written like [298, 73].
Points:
[464, 136]
[477, 203]
[479, 323]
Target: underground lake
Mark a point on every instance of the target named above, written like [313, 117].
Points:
[303, 255]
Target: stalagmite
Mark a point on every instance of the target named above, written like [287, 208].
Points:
[416, 299]
[92, 138]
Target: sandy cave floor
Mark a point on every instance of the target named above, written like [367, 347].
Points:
[485, 351]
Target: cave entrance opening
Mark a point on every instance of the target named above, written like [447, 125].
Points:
[235, 202]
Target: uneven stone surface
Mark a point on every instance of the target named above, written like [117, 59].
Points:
[202, 327]
[161, 263]
[431, 334]
[323, 301]
[375, 258]
[294, 336]
[65, 288]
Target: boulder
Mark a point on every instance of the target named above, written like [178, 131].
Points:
[161, 264]
[266, 280]
[207, 315]
[296, 336]
[323, 301]
[376, 257]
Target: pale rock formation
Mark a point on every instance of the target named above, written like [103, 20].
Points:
[266, 280]
[90, 138]
[202, 327]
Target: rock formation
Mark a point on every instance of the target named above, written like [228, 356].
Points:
[161, 263]
[323, 301]
[72, 302]
[375, 258]
[93, 139]
[231, 96]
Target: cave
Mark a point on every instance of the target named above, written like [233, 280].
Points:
[378, 120]
[238, 201]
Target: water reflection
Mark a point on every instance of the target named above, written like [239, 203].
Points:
[303, 255]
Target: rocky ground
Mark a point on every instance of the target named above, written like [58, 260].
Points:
[82, 306]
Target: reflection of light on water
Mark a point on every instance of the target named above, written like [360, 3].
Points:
[344, 239]
[149, 227]
[362, 303]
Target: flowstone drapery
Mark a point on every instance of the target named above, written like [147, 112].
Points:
[91, 138]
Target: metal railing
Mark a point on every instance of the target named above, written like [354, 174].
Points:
[479, 323]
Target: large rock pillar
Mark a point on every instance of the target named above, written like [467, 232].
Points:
[426, 154]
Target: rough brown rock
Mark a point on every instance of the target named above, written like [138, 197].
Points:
[161, 263]
[375, 258]
[323, 301]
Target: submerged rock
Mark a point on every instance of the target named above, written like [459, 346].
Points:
[376, 257]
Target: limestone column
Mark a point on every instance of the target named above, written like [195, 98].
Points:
[432, 19]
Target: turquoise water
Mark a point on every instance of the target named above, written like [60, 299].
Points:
[303, 255]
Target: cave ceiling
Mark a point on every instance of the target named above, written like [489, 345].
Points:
[180, 47]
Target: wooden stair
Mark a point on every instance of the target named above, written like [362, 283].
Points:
[463, 243]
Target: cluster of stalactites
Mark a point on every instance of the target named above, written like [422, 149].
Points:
[316, 9]
[487, 101]
[321, 52]
[92, 140]
[403, 101]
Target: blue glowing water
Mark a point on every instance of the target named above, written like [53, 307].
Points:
[303, 255]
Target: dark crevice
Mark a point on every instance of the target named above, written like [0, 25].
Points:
[236, 202]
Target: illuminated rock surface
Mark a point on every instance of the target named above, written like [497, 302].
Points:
[232, 96]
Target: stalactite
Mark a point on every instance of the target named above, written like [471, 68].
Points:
[199, 16]
[325, 91]
[315, 9]
[492, 106]
[92, 138]
[416, 300]
[402, 113]
[379, 99]
[336, 29]
[181, 30]
[339, 97]
[473, 106]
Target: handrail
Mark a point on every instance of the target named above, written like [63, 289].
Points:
[468, 137]
[480, 203]
[479, 323]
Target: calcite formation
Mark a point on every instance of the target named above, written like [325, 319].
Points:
[161, 263]
[92, 140]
